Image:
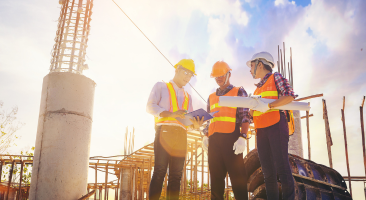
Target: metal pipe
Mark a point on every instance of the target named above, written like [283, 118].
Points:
[345, 144]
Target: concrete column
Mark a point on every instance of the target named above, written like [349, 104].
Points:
[295, 143]
[61, 157]
[125, 187]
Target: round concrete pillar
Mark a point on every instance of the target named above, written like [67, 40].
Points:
[61, 157]
[295, 143]
[125, 186]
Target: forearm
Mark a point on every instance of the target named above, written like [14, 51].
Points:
[283, 100]
[165, 114]
[244, 128]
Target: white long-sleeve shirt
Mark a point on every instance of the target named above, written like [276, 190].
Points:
[159, 99]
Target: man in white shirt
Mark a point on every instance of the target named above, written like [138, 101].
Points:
[168, 101]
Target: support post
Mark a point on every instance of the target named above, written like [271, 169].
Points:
[327, 133]
[308, 133]
[363, 133]
[345, 146]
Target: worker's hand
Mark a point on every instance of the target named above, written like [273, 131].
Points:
[205, 143]
[197, 122]
[261, 106]
[239, 145]
[179, 113]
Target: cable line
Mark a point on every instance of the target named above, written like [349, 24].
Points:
[154, 46]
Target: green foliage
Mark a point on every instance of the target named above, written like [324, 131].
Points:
[27, 169]
[8, 126]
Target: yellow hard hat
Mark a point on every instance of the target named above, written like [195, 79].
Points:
[188, 64]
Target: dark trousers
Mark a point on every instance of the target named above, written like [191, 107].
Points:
[170, 147]
[272, 143]
[222, 160]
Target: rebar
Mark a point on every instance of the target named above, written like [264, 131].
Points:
[68, 53]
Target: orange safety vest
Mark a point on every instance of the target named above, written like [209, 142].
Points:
[173, 107]
[224, 121]
[272, 116]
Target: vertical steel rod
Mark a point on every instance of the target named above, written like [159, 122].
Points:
[284, 59]
[327, 133]
[10, 177]
[106, 181]
[191, 177]
[345, 146]
[96, 184]
[363, 133]
[20, 179]
[203, 168]
[142, 178]
[195, 170]
[292, 77]
[278, 61]
[281, 62]
[1, 169]
[131, 180]
[308, 133]
[136, 180]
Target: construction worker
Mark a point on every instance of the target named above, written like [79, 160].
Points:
[167, 102]
[271, 125]
[225, 137]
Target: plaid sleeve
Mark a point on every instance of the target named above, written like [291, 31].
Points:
[283, 86]
[242, 114]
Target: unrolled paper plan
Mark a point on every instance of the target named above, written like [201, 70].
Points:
[249, 102]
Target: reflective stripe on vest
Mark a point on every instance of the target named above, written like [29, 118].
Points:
[173, 107]
[223, 121]
[267, 91]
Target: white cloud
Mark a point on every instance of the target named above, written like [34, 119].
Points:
[283, 2]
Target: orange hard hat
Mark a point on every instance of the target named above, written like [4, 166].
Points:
[220, 68]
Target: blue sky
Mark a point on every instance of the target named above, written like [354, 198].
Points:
[326, 37]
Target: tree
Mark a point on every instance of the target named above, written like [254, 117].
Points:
[8, 126]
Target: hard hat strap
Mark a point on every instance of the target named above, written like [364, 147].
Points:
[227, 77]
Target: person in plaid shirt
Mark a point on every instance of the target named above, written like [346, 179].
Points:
[271, 126]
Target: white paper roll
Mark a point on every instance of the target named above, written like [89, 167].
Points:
[248, 102]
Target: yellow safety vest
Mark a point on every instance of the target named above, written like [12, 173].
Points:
[173, 107]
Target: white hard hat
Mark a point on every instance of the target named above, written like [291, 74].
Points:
[264, 57]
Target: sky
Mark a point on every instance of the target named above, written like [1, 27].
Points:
[327, 38]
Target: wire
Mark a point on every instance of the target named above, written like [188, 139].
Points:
[154, 46]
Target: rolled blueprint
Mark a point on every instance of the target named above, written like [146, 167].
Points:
[248, 102]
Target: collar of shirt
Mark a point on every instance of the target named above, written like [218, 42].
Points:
[220, 92]
[264, 80]
[176, 86]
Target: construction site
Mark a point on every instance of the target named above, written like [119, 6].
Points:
[64, 133]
